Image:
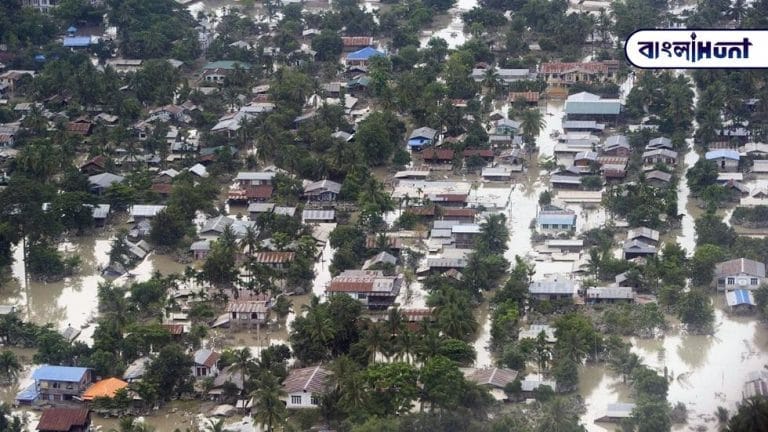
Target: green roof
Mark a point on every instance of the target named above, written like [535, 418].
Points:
[226, 64]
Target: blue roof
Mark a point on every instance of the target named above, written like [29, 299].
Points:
[722, 153]
[72, 29]
[28, 394]
[742, 297]
[77, 41]
[364, 54]
[556, 218]
[59, 373]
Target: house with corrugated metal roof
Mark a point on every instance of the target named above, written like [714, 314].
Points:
[588, 106]
[206, 363]
[249, 312]
[370, 287]
[555, 221]
[304, 387]
[553, 289]
[323, 190]
[638, 249]
[727, 160]
[740, 300]
[65, 420]
[610, 295]
[274, 260]
[740, 273]
[61, 383]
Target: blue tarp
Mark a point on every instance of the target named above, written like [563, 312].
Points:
[77, 41]
[742, 297]
[29, 394]
[364, 54]
[59, 373]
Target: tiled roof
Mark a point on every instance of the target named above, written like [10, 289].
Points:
[104, 388]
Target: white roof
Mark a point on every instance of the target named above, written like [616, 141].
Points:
[466, 229]
[328, 215]
[261, 175]
[146, 210]
[610, 293]
[199, 170]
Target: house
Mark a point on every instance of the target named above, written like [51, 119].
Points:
[588, 106]
[529, 97]
[257, 209]
[500, 174]
[638, 249]
[555, 221]
[659, 143]
[318, 216]
[168, 113]
[568, 73]
[166, 176]
[106, 388]
[95, 165]
[505, 76]
[274, 260]
[61, 383]
[370, 287]
[214, 227]
[140, 213]
[610, 295]
[585, 159]
[77, 42]
[200, 249]
[658, 179]
[206, 363]
[465, 235]
[198, 170]
[564, 246]
[8, 309]
[65, 420]
[756, 384]
[413, 174]
[740, 300]
[422, 137]
[754, 150]
[485, 154]
[613, 167]
[553, 289]
[583, 126]
[617, 413]
[460, 215]
[380, 259]
[726, 160]
[493, 378]
[354, 43]
[534, 330]
[435, 156]
[740, 273]
[81, 126]
[251, 194]
[135, 371]
[645, 235]
[530, 384]
[304, 387]
[216, 72]
[323, 190]
[659, 156]
[247, 312]
[259, 178]
[569, 178]
[362, 57]
[617, 145]
[124, 66]
[505, 126]
[99, 183]
[760, 169]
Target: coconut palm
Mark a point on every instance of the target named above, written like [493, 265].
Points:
[9, 366]
[494, 233]
[532, 123]
[405, 345]
[270, 409]
[243, 360]
[345, 375]
[751, 416]
[374, 341]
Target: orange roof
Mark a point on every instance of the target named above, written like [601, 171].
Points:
[104, 388]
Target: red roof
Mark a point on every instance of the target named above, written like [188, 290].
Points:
[459, 212]
[355, 41]
[392, 242]
[486, 153]
[528, 96]
[99, 161]
[174, 329]
[80, 128]
[162, 188]
[421, 211]
[452, 197]
[274, 257]
[437, 154]
[62, 419]
[252, 192]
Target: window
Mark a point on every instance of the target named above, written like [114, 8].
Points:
[753, 281]
[314, 400]
[296, 400]
[69, 386]
[731, 281]
[56, 385]
[721, 281]
[545, 226]
[362, 296]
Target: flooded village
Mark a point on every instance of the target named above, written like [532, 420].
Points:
[355, 216]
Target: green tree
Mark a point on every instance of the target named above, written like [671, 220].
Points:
[752, 415]
[327, 45]
[170, 371]
[168, 227]
[269, 409]
[695, 311]
[702, 265]
[392, 388]
[532, 123]
[9, 366]
[442, 383]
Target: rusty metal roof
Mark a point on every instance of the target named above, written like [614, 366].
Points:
[274, 257]
[63, 419]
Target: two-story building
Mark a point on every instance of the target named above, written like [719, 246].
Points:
[370, 287]
[323, 190]
[249, 312]
[740, 273]
[61, 383]
[206, 363]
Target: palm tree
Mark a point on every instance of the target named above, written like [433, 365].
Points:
[270, 409]
[243, 360]
[491, 81]
[214, 426]
[345, 375]
[394, 321]
[751, 416]
[130, 424]
[374, 341]
[405, 345]
[532, 124]
[9, 366]
[494, 233]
